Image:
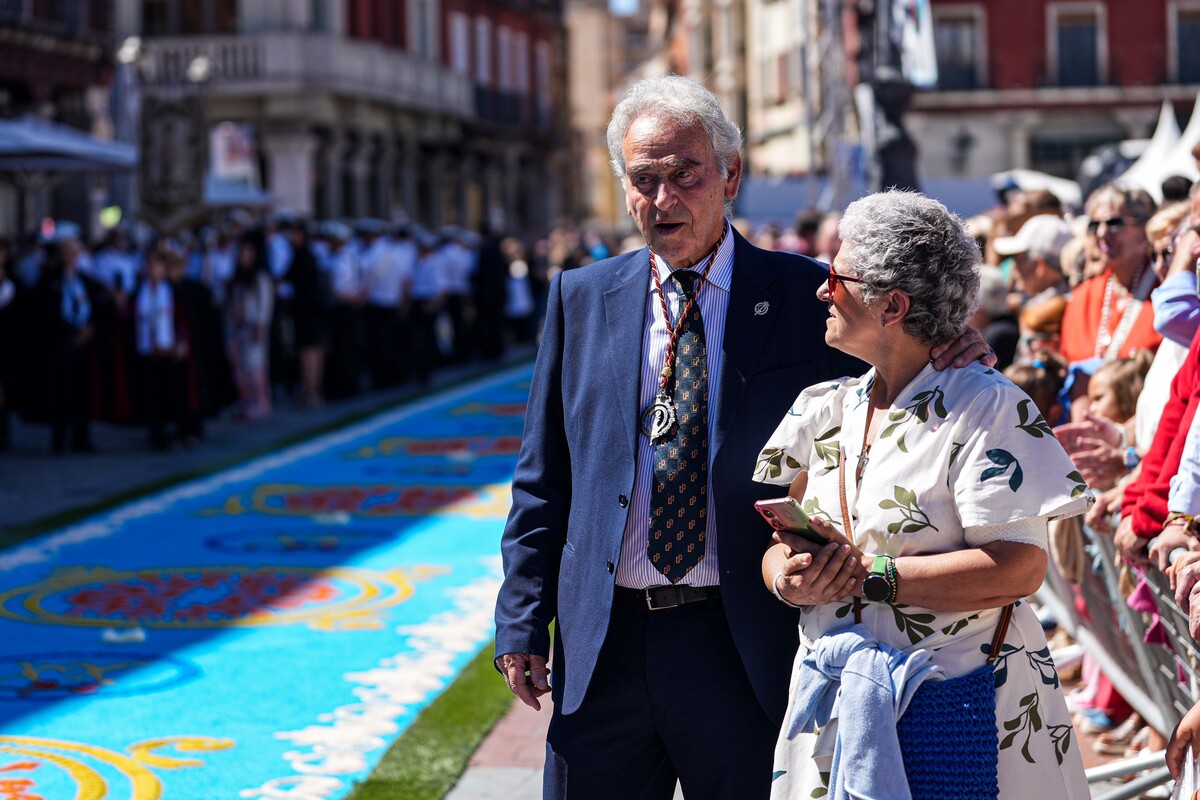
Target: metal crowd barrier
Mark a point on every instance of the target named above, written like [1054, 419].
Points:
[1160, 681]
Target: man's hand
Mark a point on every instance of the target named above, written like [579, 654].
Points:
[968, 347]
[526, 675]
[1131, 546]
[1187, 732]
[1184, 574]
[809, 579]
[1173, 536]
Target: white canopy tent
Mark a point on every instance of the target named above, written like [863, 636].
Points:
[1147, 171]
[1179, 161]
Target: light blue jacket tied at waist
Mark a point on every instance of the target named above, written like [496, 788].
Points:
[867, 686]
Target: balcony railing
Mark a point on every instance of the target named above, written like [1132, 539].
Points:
[287, 61]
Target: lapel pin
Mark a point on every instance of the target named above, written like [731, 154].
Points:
[762, 308]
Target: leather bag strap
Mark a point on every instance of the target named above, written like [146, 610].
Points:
[846, 529]
[1001, 632]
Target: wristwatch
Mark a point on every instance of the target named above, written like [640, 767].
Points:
[880, 585]
[1131, 457]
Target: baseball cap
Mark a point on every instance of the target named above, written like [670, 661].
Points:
[1040, 235]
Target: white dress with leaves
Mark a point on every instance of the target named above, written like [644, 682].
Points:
[962, 452]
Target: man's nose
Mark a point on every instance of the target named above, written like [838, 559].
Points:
[665, 197]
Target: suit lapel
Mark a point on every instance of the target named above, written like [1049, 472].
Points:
[748, 323]
[625, 311]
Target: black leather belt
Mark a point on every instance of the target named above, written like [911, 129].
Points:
[659, 598]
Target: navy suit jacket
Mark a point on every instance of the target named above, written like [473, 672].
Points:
[576, 466]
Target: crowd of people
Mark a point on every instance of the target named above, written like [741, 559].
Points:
[170, 331]
[982, 396]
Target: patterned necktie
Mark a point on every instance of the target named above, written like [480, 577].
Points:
[679, 497]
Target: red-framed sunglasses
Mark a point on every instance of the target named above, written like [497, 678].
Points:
[835, 278]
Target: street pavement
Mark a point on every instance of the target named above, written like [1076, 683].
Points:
[508, 765]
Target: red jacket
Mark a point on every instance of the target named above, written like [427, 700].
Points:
[1146, 498]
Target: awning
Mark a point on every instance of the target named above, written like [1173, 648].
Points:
[31, 144]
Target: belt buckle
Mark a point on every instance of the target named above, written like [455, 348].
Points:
[676, 589]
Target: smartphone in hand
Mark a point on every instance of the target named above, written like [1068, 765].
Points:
[785, 514]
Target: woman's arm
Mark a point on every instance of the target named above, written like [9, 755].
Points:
[990, 576]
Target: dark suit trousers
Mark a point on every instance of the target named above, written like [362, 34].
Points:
[669, 699]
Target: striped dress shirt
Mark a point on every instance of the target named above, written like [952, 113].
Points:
[634, 570]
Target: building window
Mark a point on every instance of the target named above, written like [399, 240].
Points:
[423, 19]
[521, 57]
[1183, 26]
[544, 92]
[100, 16]
[155, 18]
[504, 75]
[460, 43]
[959, 44]
[320, 16]
[1078, 44]
[483, 51]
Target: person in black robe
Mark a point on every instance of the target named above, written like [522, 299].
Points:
[310, 304]
[69, 318]
[490, 284]
[210, 387]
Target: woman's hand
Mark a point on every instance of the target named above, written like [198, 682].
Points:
[1187, 249]
[1187, 732]
[813, 579]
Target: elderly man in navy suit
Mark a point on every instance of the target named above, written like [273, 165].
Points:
[660, 375]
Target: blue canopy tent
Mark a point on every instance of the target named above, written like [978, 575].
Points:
[35, 145]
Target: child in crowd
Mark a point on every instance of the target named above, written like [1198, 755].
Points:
[1042, 380]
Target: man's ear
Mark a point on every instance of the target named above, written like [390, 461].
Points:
[733, 177]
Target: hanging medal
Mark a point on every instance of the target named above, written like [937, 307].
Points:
[659, 418]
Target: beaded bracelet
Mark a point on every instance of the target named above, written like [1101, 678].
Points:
[893, 580]
[1186, 521]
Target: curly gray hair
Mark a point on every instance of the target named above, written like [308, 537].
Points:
[681, 100]
[907, 241]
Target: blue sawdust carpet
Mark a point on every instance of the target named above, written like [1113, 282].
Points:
[267, 631]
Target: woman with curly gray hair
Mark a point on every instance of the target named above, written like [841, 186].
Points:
[942, 483]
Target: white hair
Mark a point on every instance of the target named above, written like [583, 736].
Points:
[907, 241]
[680, 100]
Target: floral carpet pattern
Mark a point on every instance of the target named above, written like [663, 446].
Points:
[267, 631]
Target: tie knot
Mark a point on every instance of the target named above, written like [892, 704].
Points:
[687, 279]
